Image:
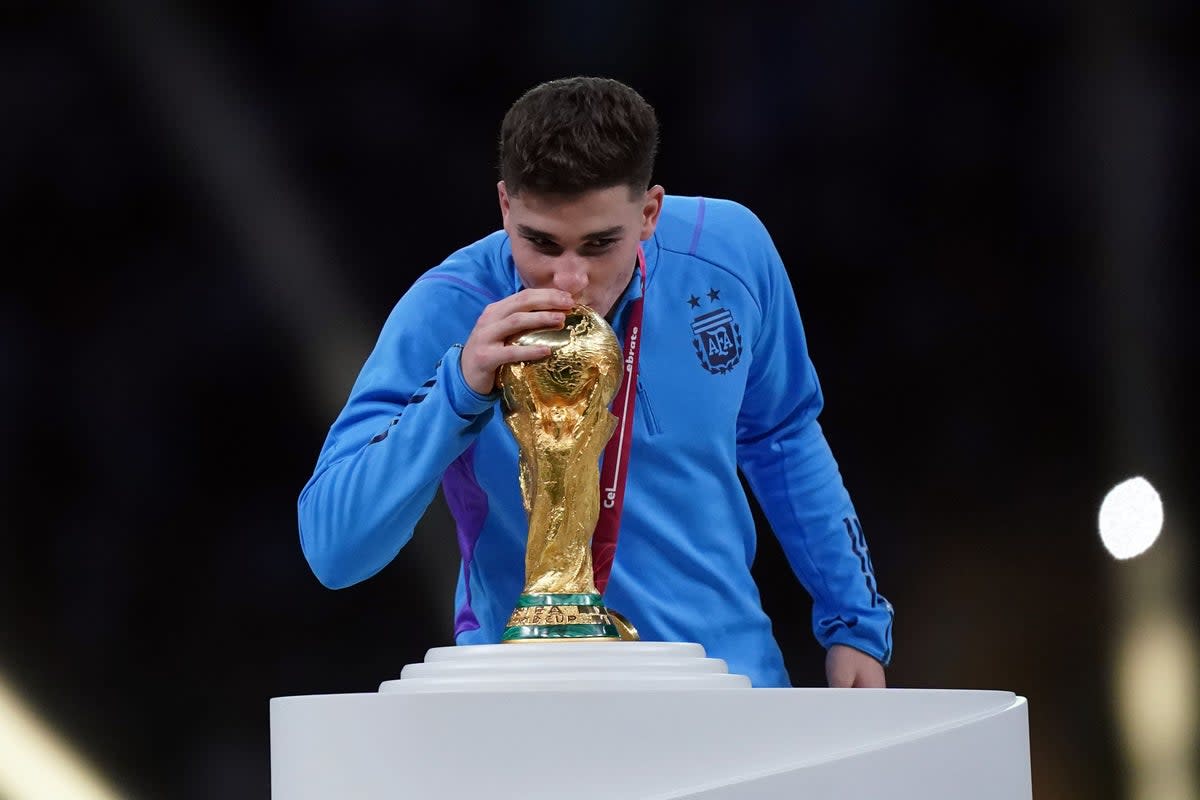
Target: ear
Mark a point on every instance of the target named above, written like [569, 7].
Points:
[651, 208]
[502, 195]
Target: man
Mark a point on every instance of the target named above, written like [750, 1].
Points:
[724, 383]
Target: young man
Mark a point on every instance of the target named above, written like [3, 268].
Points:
[723, 382]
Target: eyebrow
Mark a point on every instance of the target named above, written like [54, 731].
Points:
[525, 230]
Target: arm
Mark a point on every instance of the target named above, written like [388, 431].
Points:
[418, 403]
[409, 415]
[789, 466]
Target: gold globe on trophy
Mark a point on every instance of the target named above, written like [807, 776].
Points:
[557, 409]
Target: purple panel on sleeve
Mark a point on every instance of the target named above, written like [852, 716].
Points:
[469, 505]
[698, 228]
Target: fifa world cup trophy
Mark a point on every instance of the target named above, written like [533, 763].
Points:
[557, 409]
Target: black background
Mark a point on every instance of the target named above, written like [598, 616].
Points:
[987, 211]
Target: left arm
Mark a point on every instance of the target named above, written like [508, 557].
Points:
[789, 466]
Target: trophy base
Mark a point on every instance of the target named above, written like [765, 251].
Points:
[568, 617]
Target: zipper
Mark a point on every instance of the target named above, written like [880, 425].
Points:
[643, 401]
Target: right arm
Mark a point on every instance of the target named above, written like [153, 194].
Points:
[412, 411]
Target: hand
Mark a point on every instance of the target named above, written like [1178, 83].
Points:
[847, 668]
[527, 310]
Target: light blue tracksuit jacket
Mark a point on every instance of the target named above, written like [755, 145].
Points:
[725, 383]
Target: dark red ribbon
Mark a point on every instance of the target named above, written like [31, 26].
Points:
[616, 454]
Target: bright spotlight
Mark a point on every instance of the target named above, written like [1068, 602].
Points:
[1131, 518]
[38, 764]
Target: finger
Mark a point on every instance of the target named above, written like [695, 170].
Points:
[839, 667]
[870, 678]
[523, 321]
[535, 300]
[511, 354]
[840, 679]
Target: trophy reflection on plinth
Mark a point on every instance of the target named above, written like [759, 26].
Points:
[557, 409]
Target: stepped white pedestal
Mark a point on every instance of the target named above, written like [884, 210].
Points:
[639, 721]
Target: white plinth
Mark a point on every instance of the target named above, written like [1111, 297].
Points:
[568, 666]
[639, 721]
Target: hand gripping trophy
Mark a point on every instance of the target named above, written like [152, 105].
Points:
[557, 409]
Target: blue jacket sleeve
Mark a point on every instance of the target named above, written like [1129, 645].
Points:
[409, 415]
[791, 470]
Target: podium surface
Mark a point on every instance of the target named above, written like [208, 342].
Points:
[658, 721]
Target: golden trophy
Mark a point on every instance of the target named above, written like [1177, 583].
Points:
[557, 409]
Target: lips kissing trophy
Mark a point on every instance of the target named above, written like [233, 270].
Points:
[557, 410]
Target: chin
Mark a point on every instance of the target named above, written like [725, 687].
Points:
[603, 309]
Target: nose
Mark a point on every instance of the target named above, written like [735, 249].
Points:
[570, 275]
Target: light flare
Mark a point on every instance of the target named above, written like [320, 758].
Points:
[1131, 518]
[37, 764]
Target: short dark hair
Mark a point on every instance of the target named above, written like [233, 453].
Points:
[572, 135]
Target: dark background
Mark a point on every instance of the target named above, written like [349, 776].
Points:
[987, 210]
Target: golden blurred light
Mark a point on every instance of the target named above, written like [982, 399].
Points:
[1131, 517]
[36, 764]
[1157, 703]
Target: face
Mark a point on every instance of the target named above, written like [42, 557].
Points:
[584, 244]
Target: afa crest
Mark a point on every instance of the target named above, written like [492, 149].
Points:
[718, 341]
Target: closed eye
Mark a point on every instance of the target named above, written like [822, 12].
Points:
[542, 243]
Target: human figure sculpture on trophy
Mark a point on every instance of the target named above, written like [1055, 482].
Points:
[645, 352]
[557, 409]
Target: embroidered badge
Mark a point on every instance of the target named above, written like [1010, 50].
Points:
[718, 339]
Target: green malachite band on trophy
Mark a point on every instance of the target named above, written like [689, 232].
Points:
[531, 600]
[559, 616]
[523, 632]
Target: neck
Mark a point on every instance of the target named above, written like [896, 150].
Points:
[611, 314]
